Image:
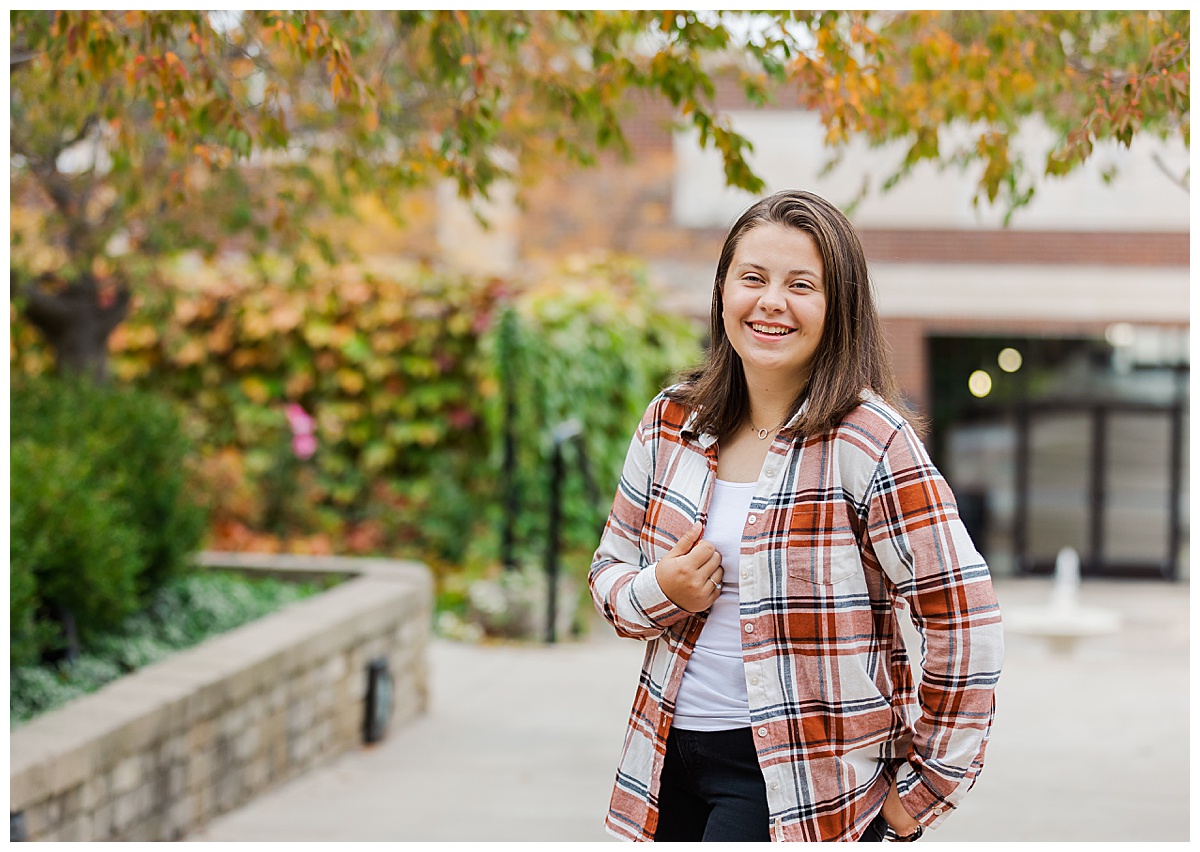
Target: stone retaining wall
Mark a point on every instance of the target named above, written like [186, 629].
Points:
[158, 753]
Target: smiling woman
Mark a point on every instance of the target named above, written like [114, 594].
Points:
[774, 310]
[774, 510]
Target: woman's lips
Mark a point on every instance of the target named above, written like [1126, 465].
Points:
[777, 332]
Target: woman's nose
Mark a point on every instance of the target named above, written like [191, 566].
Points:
[772, 299]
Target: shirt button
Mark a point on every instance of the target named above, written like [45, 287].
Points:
[762, 732]
[745, 574]
[753, 518]
[770, 471]
[774, 785]
[754, 681]
[749, 628]
[937, 811]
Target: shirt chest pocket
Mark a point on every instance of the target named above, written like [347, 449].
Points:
[821, 549]
[823, 566]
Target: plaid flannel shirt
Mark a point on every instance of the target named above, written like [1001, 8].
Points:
[842, 529]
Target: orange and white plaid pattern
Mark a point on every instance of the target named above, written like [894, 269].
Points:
[843, 528]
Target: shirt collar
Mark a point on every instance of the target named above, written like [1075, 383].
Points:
[706, 440]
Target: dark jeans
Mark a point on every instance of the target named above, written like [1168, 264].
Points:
[713, 789]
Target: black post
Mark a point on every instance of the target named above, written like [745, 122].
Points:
[1099, 488]
[562, 433]
[508, 478]
[556, 469]
[1175, 488]
[1021, 559]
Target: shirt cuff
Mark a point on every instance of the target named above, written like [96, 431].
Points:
[651, 601]
[922, 803]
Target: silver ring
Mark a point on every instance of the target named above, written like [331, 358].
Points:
[715, 583]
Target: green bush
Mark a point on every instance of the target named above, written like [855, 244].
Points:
[72, 546]
[100, 514]
[184, 612]
[587, 342]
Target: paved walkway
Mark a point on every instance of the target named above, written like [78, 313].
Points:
[520, 742]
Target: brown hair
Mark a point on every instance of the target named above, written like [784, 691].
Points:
[852, 354]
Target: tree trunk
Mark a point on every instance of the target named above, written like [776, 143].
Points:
[76, 321]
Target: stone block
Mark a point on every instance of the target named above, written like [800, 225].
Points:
[104, 820]
[181, 817]
[257, 774]
[232, 722]
[201, 735]
[174, 749]
[300, 714]
[52, 811]
[95, 791]
[335, 669]
[126, 810]
[127, 775]
[148, 828]
[300, 748]
[78, 828]
[230, 792]
[71, 801]
[225, 763]
[246, 744]
[202, 805]
[176, 777]
[199, 769]
[38, 820]
[273, 728]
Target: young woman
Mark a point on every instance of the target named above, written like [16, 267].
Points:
[774, 511]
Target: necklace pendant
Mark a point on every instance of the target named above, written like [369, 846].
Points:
[762, 434]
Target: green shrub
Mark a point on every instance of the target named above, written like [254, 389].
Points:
[71, 544]
[100, 514]
[184, 612]
[586, 342]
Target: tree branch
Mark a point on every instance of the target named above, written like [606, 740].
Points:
[1182, 181]
[19, 57]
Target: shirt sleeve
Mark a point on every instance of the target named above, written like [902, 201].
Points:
[923, 547]
[623, 584]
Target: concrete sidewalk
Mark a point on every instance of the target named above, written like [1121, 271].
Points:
[521, 742]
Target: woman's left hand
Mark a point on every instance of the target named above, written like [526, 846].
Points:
[897, 817]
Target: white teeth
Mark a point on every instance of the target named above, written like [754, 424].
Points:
[771, 329]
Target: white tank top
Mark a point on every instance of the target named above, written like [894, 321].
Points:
[712, 696]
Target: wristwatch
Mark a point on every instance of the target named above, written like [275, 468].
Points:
[909, 838]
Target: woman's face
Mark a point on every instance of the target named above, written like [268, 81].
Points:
[774, 305]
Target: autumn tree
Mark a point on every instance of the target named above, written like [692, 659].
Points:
[1088, 76]
[157, 130]
[149, 131]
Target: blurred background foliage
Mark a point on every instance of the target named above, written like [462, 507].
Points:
[398, 366]
[139, 136]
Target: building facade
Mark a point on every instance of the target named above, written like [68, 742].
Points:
[1050, 354]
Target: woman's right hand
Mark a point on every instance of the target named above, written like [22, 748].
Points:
[690, 575]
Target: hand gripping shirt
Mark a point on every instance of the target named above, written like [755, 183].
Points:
[843, 528]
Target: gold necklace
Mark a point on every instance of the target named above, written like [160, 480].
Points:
[762, 433]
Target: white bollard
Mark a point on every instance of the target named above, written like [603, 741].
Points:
[1065, 594]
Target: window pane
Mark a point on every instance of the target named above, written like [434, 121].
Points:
[1136, 516]
[1059, 486]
